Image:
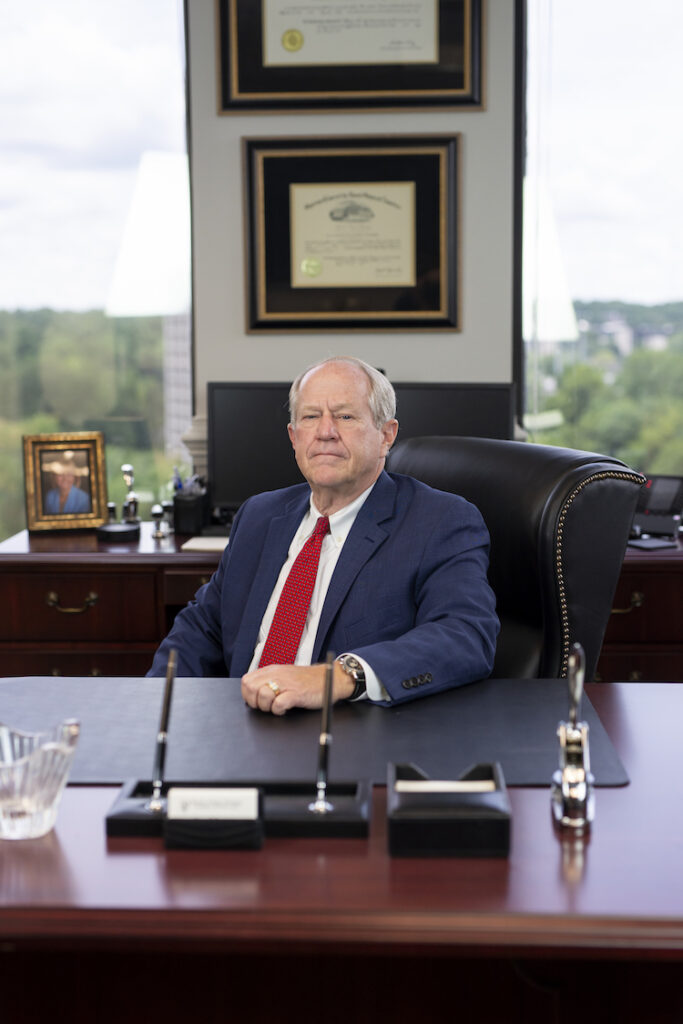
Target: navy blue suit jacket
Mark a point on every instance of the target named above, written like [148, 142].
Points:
[409, 593]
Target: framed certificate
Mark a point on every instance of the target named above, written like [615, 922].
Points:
[346, 231]
[312, 54]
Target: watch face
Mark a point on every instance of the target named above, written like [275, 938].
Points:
[354, 668]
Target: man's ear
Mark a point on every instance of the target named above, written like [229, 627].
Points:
[389, 432]
[290, 431]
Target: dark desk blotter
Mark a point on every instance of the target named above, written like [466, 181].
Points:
[214, 736]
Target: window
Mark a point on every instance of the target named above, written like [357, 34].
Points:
[603, 222]
[94, 237]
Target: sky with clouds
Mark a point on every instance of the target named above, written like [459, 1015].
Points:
[610, 95]
[88, 85]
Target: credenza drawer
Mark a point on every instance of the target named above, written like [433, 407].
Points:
[180, 585]
[638, 663]
[79, 606]
[48, 661]
[647, 608]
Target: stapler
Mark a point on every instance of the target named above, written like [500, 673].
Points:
[573, 795]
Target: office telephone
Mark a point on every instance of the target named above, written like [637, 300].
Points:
[658, 512]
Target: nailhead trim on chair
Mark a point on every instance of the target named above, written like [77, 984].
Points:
[606, 475]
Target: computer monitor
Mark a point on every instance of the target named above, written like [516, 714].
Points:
[463, 410]
[249, 448]
[250, 451]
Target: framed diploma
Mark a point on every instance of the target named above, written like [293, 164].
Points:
[312, 54]
[352, 232]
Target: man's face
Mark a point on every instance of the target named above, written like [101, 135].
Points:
[337, 446]
[65, 481]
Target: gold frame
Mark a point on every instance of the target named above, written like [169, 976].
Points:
[85, 451]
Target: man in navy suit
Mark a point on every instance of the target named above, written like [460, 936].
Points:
[401, 593]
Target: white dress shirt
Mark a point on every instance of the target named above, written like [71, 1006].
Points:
[340, 526]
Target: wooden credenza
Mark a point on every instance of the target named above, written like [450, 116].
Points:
[72, 605]
[644, 638]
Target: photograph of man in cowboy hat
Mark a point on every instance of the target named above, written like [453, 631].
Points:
[68, 490]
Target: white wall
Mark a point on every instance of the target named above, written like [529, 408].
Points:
[480, 352]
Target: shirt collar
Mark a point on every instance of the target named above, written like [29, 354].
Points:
[342, 521]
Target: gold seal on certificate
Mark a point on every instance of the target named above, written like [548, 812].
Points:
[292, 40]
[311, 266]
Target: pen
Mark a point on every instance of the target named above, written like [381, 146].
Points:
[321, 804]
[156, 803]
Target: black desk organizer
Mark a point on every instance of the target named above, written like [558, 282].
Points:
[448, 824]
[285, 809]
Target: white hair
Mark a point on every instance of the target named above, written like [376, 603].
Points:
[382, 397]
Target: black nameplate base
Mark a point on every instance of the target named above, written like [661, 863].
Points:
[285, 809]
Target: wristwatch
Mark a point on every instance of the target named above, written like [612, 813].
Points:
[353, 668]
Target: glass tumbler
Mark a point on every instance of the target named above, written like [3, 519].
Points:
[34, 768]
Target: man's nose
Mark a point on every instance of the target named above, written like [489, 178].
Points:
[327, 426]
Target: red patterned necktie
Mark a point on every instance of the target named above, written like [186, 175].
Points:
[288, 622]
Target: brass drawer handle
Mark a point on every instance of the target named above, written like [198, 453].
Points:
[94, 672]
[52, 599]
[637, 600]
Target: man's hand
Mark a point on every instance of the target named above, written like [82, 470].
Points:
[277, 688]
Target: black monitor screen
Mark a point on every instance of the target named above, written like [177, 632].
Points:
[662, 495]
[463, 410]
[249, 448]
[250, 451]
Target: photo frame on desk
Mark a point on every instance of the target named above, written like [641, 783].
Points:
[65, 481]
[391, 55]
[346, 232]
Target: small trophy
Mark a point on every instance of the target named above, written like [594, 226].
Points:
[130, 505]
[128, 529]
[157, 514]
[573, 798]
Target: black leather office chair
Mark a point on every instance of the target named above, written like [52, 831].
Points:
[559, 521]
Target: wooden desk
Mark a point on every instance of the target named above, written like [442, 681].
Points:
[554, 933]
[644, 637]
[138, 589]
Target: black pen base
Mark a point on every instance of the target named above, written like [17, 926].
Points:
[286, 810]
[118, 533]
[428, 822]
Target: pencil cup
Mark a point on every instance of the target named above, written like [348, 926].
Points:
[190, 513]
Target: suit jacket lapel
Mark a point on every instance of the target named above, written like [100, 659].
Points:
[365, 537]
